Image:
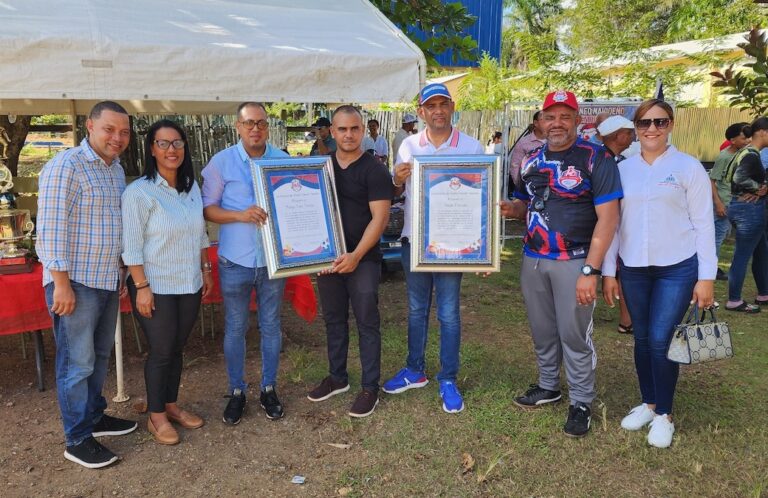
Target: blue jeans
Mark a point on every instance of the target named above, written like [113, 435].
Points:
[448, 293]
[722, 229]
[657, 298]
[237, 282]
[84, 343]
[749, 220]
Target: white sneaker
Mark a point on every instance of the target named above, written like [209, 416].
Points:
[661, 432]
[638, 417]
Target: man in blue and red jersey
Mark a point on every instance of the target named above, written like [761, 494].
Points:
[570, 193]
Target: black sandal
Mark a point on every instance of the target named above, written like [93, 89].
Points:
[744, 307]
[624, 329]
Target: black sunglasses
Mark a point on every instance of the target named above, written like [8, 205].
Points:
[540, 202]
[659, 123]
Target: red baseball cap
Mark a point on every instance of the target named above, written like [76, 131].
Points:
[560, 97]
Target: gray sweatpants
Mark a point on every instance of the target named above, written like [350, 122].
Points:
[561, 329]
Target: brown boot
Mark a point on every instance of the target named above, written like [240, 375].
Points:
[165, 435]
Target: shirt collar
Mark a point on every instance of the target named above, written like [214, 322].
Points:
[160, 181]
[93, 156]
[453, 141]
[244, 155]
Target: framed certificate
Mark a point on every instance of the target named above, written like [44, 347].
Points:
[303, 230]
[455, 214]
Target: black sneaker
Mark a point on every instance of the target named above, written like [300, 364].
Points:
[327, 388]
[90, 454]
[579, 417]
[113, 426]
[364, 404]
[270, 403]
[235, 408]
[721, 275]
[535, 397]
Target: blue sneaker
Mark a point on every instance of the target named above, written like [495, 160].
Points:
[452, 400]
[403, 380]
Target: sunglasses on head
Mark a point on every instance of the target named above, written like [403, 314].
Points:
[659, 123]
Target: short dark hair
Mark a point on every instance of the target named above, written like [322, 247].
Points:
[106, 105]
[374, 120]
[536, 115]
[757, 125]
[347, 109]
[250, 104]
[650, 104]
[734, 130]
[186, 175]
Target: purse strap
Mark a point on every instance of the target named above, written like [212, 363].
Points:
[693, 315]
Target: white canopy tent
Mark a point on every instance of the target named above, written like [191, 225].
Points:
[199, 56]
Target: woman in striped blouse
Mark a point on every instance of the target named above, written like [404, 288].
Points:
[165, 248]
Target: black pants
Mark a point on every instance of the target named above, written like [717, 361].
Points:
[361, 289]
[166, 332]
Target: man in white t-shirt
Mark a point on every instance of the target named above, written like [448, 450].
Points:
[440, 137]
[375, 143]
[408, 128]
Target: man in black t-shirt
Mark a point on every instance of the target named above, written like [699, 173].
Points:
[364, 190]
[572, 188]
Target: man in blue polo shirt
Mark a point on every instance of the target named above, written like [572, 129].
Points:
[572, 190]
[229, 199]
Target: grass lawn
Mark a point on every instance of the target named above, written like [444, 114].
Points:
[413, 448]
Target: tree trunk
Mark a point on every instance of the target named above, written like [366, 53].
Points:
[17, 133]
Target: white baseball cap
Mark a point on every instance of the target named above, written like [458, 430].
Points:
[614, 124]
[409, 118]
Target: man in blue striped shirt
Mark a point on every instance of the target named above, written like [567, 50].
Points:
[229, 199]
[79, 228]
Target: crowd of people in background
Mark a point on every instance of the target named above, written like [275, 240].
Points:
[586, 205]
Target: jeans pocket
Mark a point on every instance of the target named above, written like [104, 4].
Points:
[224, 262]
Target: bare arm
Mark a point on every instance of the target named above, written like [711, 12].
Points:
[605, 229]
[348, 262]
[717, 202]
[218, 214]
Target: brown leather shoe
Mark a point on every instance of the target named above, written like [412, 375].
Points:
[186, 419]
[166, 435]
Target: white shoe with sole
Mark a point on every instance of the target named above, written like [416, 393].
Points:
[661, 432]
[638, 417]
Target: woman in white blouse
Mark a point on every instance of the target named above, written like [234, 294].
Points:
[665, 252]
[165, 249]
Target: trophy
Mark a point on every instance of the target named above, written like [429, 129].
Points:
[15, 226]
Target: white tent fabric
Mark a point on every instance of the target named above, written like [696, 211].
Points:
[200, 56]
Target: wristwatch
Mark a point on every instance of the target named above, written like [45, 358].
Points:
[588, 270]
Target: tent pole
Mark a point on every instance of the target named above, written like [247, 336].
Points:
[73, 117]
[120, 396]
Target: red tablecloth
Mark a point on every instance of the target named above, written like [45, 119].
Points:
[22, 302]
[298, 290]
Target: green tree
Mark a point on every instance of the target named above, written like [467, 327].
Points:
[444, 23]
[613, 27]
[528, 22]
[485, 88]
[748, 89]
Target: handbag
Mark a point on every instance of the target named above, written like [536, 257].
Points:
[699, 341]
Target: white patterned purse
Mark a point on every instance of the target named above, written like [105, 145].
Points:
[699, 341]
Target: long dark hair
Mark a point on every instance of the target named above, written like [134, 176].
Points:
[186, 174]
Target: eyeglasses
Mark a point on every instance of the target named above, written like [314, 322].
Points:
[164, 144]
[261, 124]
[659, 123]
